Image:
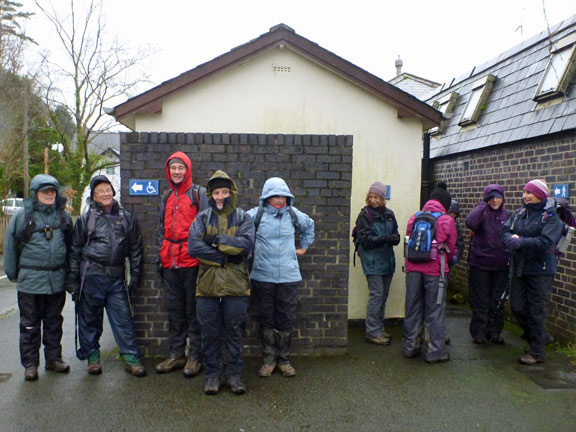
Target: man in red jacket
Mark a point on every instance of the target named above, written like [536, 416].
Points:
[178, 270]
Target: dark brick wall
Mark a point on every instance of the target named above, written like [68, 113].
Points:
[512, 166]
[318, 170]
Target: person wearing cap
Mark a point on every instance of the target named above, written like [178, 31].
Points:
[376, 233]
[275, 274]
[487, 267]
[221, 238]
[36, 244]
[530, 235]
[105, 236]
[425, 306]
[178, 270]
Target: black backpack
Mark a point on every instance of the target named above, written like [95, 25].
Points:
[420, 247]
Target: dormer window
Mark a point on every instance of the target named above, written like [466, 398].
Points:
[560, 69]
[445, 106]
[478, 97]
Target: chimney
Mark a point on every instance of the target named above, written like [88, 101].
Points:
[398, 65]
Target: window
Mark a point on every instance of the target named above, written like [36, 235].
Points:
[559, 71]
[478, 97]
[445, 106]
[110, 170]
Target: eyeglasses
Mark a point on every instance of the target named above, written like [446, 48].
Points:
[103, 191]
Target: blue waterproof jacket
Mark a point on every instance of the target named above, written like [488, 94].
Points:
[275, 257]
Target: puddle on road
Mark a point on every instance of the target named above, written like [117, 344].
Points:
[551, 377]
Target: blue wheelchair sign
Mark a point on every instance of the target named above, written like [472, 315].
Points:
[143, 187]
[561, 191]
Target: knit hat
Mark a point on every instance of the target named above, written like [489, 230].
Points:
[218, 183]
[96, 180]
[538, 188]
[176, 160]
[378, 188]
[441, 195]
[454, 207]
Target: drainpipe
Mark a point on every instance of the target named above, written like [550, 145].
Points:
[426, 170]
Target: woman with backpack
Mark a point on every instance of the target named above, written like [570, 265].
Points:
[376, 233]
[275, 274]
[530, 235]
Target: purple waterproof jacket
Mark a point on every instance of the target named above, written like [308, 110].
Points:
[486, 249]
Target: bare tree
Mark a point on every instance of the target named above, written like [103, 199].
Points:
[97, 70]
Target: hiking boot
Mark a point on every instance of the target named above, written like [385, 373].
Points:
[171, 364]
[212, 385]
[410, 354]
[530, 360]
[58, 365]
[266, 370]
[287, 369]
[386, 335]
[192, 368]
[94, 368]
[236, 385]
[480, 340]
[496, 339]
[135, 369]
[380, 340]
[441, 359]
[31, 373]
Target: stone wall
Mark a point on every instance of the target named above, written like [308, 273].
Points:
[512, 166]
[318, 170]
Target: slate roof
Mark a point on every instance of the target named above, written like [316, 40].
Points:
[415, 85]
[406, 104]
[105, 143]
[510, 114]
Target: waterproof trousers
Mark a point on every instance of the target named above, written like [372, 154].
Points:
[276, 304]
[180, 297]
[487, 298]
[40, 322]
[219, 316]
[379, 287]
[99, 293]
[425, 311]
[529, 299]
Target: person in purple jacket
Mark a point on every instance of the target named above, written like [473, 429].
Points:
[487, 266]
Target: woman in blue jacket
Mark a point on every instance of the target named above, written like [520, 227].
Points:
[275, 272]
[376, 234]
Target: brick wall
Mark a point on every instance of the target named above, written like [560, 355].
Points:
[512, 166]
[318, 169]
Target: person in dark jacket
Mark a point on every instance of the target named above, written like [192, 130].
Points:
[487, 266]
[104, 237]
[275, 273]
[376, 235]
[221, 238]
[454, 212]
[35, 248]
[179, 270]
[530, 235]
[425, 308]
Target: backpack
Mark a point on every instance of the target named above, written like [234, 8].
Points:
[355, 238]
[258, 218]
[420, 243]
[192, 194]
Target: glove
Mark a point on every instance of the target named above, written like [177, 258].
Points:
[453, 261]
[75, 295]
[235, 259]
[210, 239]
[72, 287]
[512, 244]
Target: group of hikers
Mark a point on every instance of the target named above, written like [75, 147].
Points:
[213, 256]
[511, 254]
[205, 242]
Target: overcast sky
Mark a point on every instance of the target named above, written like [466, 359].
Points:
[436, 39]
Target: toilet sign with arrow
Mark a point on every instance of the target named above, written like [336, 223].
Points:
[561, 191]
[143, 187]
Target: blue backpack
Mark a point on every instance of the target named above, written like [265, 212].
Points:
[420, 244]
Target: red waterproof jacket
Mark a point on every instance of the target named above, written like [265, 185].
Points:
[178, 210]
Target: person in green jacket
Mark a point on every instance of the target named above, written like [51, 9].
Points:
[35, 249]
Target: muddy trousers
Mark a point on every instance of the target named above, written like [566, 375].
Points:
[40, 322]
[486, 297]
[425, 311]
[529, 299]
[379, 287]
[227, 316]
[180, 297]
[277, 304]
